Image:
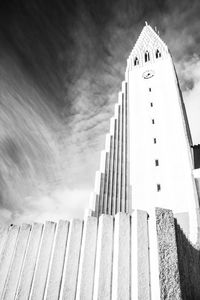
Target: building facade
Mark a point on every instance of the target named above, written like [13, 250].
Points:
[139, 238]
[148, 157]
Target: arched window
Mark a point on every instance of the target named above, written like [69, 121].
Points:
[136, 61]
[146, 56]
[158, 53]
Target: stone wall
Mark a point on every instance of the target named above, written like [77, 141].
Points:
[189, 266]
[168, 257]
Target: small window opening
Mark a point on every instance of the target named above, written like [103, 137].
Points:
[147, 56]
[136, 61]
[151, 104]
[158, 187]
[158, 53]
[156, 162]
[154, 140]
[153, 121]
[149, 89]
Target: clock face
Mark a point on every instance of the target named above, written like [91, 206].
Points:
[148, 74]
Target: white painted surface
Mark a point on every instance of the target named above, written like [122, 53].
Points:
[174, 172]
[87, 260]
[57, 263]
[15, 270]
[140, 263]
[42, 266]
[3, 237]
[196, 173]
[121, 258]
[28, 268]
[103, 268]
[7, 255]
[70, 273]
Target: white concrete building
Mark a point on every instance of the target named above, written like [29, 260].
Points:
[148, 159]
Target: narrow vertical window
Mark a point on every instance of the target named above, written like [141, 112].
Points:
[153, 122]
[158, 53]
[136, 61]
[156, 163]
[158, 187]
[151, 104]
[149, 89]
[154, 140]
[146, 56]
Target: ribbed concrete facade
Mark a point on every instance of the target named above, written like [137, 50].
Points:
[111, 184]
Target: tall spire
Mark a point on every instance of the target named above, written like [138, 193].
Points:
[147, 42]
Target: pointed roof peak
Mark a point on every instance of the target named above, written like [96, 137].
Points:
[148, 41]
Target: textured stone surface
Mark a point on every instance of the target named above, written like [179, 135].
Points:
[189, 266]
[168, 258]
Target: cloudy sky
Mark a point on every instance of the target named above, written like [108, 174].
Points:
[61, 67]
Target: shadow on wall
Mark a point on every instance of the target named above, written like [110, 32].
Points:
[189, 266]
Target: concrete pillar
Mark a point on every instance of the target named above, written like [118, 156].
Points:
[26, 277]
[125, 142]
[70, 273]
[102, 180]
[122, 197]
[121, 258]
[140, 264]
[114, 175]
[103, 269]
[57, 261]
[15, 270]
[7, 255]
[94, 204]
[110, 175]
[42, 265]
[3, 237]
[119, 158]
[111, 169]
[97, 188]
[107, 171]
[87, 260]
[101, 194]
[168, 257]
[105, 186]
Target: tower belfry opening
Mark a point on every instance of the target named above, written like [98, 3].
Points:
[136, 61]
[147, 56]
[158, 53]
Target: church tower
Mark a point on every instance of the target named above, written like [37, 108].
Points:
[148, 161]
